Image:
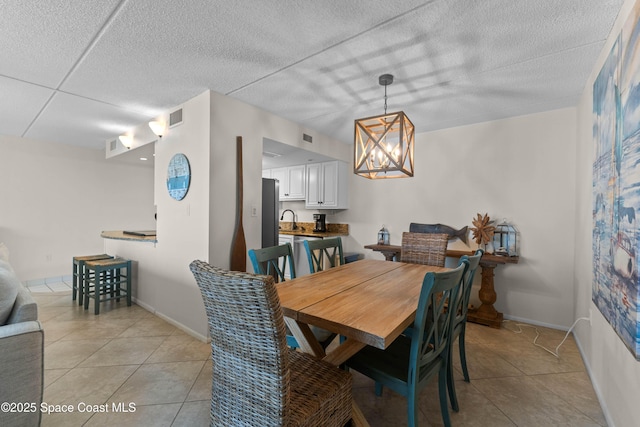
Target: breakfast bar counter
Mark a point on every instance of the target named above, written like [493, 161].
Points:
[135, 236]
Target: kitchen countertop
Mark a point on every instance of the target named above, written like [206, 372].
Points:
[121, 235]
[306, 229]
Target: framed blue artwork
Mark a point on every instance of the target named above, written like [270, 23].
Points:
[616, 186]
[178, 176]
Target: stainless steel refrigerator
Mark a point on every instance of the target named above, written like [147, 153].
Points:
[270, 211]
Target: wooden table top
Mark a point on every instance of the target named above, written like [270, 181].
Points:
[370, 301]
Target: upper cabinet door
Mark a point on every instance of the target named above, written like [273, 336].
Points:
[327, 186]
[291, 182]
[314, 185]
[283, 183]
[297, 180]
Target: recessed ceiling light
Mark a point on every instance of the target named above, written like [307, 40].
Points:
[143, 158]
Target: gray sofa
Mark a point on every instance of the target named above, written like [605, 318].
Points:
[21, 352]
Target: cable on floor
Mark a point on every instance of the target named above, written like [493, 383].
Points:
[555, 353]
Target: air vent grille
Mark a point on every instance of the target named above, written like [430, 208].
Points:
[175, 118]
[307, 138]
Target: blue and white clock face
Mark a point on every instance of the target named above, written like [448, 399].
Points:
[178, 176]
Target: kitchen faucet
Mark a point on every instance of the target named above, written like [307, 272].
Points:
[294, 226]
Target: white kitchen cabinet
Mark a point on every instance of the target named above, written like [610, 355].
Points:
[327, 186]
[291, 182]
[266, 173]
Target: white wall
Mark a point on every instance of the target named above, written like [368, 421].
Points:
[164, 283]
[55, 199]
[521, 169]
[614, 371]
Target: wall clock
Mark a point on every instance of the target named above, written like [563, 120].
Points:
[178, 176]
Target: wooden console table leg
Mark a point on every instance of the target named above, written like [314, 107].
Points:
[486, 314]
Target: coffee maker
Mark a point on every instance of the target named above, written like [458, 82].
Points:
[321, 222]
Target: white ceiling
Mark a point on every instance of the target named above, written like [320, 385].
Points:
[84, 71]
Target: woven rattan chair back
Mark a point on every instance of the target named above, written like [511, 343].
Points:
[424, 248]
[274, 261]
[257, 380]
[321, 249]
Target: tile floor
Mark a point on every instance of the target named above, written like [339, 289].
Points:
[127, 355]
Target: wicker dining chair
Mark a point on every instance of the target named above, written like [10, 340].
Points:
[424, 248]
[257, 379]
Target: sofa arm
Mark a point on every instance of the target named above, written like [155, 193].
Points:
[21, 371]
[25, 307]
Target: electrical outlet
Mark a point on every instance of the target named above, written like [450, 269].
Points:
[49, 257]
[254, 210]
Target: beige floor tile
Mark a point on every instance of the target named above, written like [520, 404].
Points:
[99, 328]
[89, 385]
[151, 415]
[179, 348]
[149, 327]
[124, 351]
[528, 403]
[51, 375]
[160, 383]
[69, 354]
[482, 362]
[201, 389]
[577, 390]
[193, 414]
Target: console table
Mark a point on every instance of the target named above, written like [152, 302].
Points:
[486, 314]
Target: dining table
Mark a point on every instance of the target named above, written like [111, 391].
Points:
[370, 302]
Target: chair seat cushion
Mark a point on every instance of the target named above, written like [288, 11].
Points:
[320, 392]
[9, 286]
[390, 365]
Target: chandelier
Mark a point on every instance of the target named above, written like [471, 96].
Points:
[383, 145]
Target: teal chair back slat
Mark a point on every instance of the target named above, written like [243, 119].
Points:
[273, 261]
[317, 250]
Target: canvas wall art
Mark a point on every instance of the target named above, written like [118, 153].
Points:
[616, 185]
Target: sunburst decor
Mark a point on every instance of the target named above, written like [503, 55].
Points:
[482, 229]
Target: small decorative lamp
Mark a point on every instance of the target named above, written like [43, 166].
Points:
[383, 236]
[505, 239]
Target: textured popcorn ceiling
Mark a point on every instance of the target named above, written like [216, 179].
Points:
[84, 71]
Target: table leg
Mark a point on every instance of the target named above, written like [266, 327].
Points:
[486, 314]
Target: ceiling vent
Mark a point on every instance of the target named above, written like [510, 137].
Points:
[175, 118]
[113, 145]
[307, 138]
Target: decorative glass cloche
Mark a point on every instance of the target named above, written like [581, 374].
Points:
[383, 236]
[505, 239]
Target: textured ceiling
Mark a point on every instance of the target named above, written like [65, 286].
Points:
[84, 71]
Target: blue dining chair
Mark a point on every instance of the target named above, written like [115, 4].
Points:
[273, 261]
[317, 250]
[407, 365]
[461, 308]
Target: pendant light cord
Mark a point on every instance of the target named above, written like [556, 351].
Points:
[385, 99]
